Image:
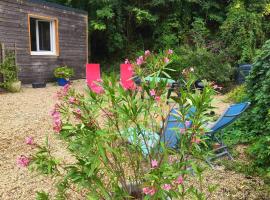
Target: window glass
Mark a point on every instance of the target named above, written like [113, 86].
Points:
[44, 36]
[33, 34]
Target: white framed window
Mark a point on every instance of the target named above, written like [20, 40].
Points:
[42, 36]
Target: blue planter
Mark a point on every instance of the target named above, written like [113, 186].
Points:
[243, 72]
[62, 81]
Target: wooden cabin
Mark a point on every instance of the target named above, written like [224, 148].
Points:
[43, 36]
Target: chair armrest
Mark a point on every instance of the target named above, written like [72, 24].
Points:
[234, 115]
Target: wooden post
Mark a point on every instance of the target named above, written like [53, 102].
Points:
[3, 52]
[1, 60]
[15, 60]
[0, 52]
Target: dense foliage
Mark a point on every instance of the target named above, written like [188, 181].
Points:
[9, 70]
[254, 127]
[237, 94]
[63, 72]
[120, 27]
[258, 120]
[116, 139]
[258, 87]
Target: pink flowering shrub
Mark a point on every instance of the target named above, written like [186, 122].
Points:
[153, 64]
[116, 141]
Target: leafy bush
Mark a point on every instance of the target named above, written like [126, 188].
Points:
[63, 72]
[242, 32]
[208, 65]
[199, 32]
[238, 94]
[258, 87]
[9, 70]
[260, 152]
[255, 124]
[116, 140]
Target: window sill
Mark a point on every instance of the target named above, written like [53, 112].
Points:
[36, 53]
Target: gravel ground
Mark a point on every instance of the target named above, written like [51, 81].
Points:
[27, 114]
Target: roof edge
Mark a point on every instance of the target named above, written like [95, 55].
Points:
[59, 6]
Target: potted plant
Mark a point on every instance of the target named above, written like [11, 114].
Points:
[63, 73]
[9, 70]
[116, 141]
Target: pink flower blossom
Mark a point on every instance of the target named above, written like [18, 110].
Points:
[157, 98]
[166, 60]
[99, 80]
[196, 140]
[187, 124]
[130, 68]
[127, 61]
[29, 140]
[97, 89]
[140, 60]
[154, 163]
[147, 53]
[23, 161]
[57, 123]
[72, 100]
[182, 130]
[78, 111]
[217, 87]
[167, 187]
[170, 51]
[57, 129]
[149, 190]
[65, 89]
[129, 85]
[152, 92]
[179, 180]
[139, 88]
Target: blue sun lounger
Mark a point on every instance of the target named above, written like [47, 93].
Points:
[171, 139]
[229, 116]
[172, 126]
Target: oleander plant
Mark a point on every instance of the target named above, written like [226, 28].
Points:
[116, 138]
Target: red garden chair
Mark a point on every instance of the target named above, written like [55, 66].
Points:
[93, 77]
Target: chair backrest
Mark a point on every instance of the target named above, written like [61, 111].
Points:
[171, 135]
[230, 115]
[93, 76]
[126, 76]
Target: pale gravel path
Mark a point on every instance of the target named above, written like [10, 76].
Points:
[27, 114]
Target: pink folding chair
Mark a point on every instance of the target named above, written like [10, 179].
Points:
[93, 77]
[126, 75]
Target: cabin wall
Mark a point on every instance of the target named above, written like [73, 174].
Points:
[72, 31]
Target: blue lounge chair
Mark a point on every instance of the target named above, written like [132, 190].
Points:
[171, 139]
[173, 124]
[228, 117]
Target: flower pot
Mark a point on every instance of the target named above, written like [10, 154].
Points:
[14, 86]
[62, 81]
[135, 191]
[39, 85]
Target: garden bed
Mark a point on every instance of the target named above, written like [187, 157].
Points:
[27, 114]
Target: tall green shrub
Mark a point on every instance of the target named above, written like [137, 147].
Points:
[242, 32]
[9, 69]
[257, 121]
[258, 87]
[207, 65]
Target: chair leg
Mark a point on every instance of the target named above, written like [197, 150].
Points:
[219, 152]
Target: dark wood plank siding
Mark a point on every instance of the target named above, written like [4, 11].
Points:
[72, 39]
